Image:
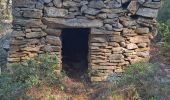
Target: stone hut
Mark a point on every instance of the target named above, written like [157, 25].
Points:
[103, 35]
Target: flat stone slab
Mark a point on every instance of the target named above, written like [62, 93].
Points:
[147, 12]
[76, 23]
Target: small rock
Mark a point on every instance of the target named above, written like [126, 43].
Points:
[141, 1]
[142, 30]
[162, 65]
[133, 7]
[47, 1]
[102, 16]
[116, 57]
[57, 3]
[83, 8]
[142, 45]
[96, 4]
[92, 11]
[108, 27]
[53, 40]
[143, 54]
[132, 46]
[55, 12]
[98, 39]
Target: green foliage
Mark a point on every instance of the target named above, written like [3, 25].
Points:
[164, 31]
[164, 22]
[27, 74]
[139, 81]
[139, 71]
[164, 13]
[142, 76]
[43, 67]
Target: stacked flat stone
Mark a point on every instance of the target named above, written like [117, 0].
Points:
[120, 30]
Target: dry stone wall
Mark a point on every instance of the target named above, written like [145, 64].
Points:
[120, 30]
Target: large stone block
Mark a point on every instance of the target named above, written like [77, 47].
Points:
[18, 34]
[117, 38]
[32, 13]
[55, 12]
[57, 3]
[133, 6]
[53, 32]
[116, 57]
[48, 48]
[132, 46]
[69, 3]
[96, 31]
[28, 22]
[91, 11]
[98, 39]
[24, 3]
[97, 4]
[139, 39]
[65, 23]
[53, 40]
[151, 4]
[143, 30]
[35, 34]
[147, 12]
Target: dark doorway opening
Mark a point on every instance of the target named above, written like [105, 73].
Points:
[75, 50]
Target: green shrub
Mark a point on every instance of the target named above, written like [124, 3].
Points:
[164, 12]
[164, 31]
[139, 81]
[27, 74]
[142, 76]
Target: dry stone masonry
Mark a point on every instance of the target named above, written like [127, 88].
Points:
[120, 30]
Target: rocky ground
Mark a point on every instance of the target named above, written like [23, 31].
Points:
[162, 57]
